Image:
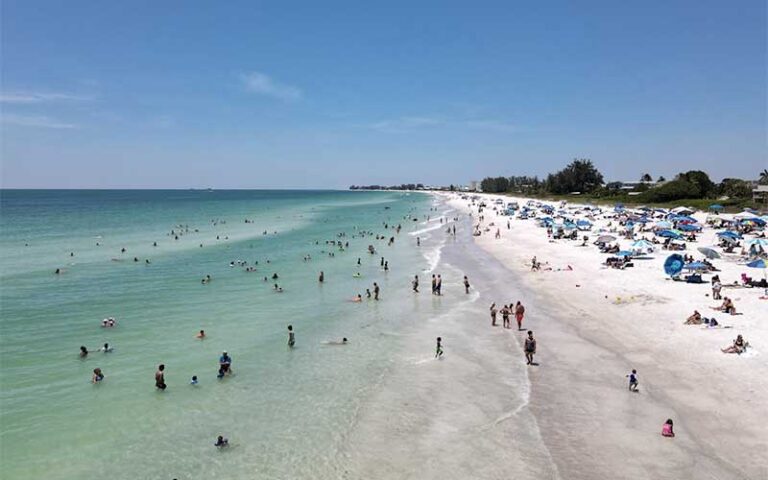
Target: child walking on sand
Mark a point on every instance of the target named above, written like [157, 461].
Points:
[633, 381]
[439, 348]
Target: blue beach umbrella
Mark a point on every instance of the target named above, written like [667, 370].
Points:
[669, 234]
[729, 234]
[690, 227]
[697, 266]
[663, 224]
[761, 242]
[642, 245]
[673, 265]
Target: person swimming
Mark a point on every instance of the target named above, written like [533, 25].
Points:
[336, 342]
[278, 288]
[200, 334]
[83, 351]
[97, 375]
[106, 348]
[194, 380]
[357, 299]
[221, 442]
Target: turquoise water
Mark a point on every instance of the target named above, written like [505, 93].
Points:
[285, 412]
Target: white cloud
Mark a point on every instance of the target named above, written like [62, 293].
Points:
[39, 97]
[492, 125]
[256, 82]
[40, 121]
[407, 124]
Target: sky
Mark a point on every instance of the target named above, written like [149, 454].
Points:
[251, 94]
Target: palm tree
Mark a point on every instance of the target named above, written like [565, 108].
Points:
[646, 178]
[763, 177]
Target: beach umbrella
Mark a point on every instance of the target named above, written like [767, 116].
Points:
[642, 245]
[624, 253]
[729, 234]
[663, 224]
[669, 234]
[716, 207]
[697, 266]
[708, 252]
[606, 238]
[690, 227]
[684, 219]
[759, 263]
[673, 265]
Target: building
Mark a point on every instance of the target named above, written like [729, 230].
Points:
[760, 194]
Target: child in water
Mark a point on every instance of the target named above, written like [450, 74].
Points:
[221, 442]
[194, 380]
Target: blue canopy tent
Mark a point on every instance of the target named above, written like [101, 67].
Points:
[669, 234]
[690, 227]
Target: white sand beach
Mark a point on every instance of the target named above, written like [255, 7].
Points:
[620, 319]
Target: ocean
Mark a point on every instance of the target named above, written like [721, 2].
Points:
[313, 411]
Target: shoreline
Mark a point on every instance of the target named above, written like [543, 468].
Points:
[592, 426]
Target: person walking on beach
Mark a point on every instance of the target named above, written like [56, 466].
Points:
[530, 348]
[415, 284]
[439, 348]
[434, 285]
[291, 337]
[505, 316]
[633, 381]
[439, 285]
[519, 314]
[493, 314]
[160, 377]
[375, 291]
[466, 284]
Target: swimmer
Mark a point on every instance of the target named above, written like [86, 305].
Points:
[200, 334]
[160, 377]
[368, 293]
[83, 351]
[106, 348]
[194, 380]
[97, 375]
[221, 442]
[336, 342]
[225, 362]
[58, 271]
[291, 337]
[278, 288]
[321, 279]
[375, 291]
[357, 299]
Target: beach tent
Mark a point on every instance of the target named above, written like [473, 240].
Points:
[759, 263]
[673, 265]
[744, 215]
[708, 252]
[760, 242]
[682, 210]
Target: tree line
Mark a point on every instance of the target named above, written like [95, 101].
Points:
[581, 176]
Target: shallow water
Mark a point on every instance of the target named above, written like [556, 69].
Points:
[288, 413]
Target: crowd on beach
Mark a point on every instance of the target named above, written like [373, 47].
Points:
[630, 235]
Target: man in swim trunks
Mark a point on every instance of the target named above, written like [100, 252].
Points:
[375, 291]
[530, 348]
[466, 284]
[493, 314]
[519, 313]
[439, 348]
[415, 284]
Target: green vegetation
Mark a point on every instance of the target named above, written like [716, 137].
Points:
[693, 188]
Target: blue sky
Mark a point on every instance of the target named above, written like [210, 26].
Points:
[325, 94]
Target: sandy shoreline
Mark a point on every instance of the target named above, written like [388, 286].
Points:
[595, 324]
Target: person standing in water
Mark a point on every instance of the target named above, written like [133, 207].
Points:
[530, 348]
[322, 277]
[375, 291]
[434, 285]
[291, 337]
[439, 348]
[439, 286]
[466, 284]
[415, 284]
[97, 375]
[493, 314]
[160, 377]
